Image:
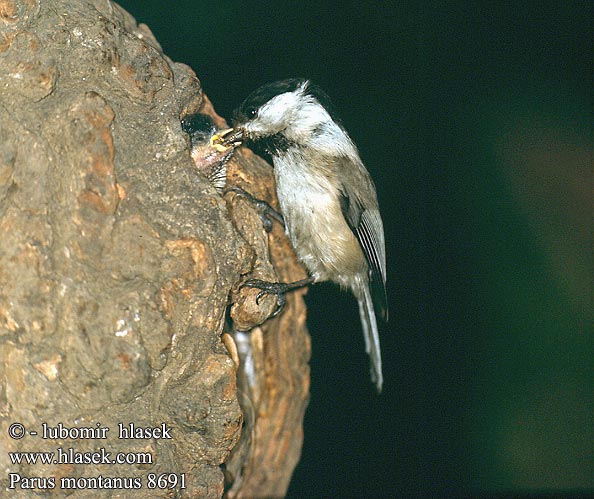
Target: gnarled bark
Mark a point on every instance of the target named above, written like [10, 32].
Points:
[118, 262]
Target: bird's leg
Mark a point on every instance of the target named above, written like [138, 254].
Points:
[276, 288]
[266, 212]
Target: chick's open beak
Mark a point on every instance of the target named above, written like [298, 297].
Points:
[226, 139]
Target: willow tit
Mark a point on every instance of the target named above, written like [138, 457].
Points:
[326, 195]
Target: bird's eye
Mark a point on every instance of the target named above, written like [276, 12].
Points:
[251, 112]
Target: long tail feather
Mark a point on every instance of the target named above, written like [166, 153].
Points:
[371, 334]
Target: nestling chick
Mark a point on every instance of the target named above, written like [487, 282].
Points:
[209, 154]
[327, 197]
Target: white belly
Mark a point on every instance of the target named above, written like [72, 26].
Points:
[321, 238]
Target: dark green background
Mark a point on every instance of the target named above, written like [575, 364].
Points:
[475, 121]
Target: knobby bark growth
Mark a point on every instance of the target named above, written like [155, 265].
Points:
[118, 264]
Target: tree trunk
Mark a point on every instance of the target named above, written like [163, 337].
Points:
[118, 264]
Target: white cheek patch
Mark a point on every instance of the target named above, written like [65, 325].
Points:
[272, 117]
[295, 113]
[334, 141]
[312, 115]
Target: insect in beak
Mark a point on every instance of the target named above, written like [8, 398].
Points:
[225, 139]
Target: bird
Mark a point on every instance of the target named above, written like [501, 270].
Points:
[326, 195]
[208, 155]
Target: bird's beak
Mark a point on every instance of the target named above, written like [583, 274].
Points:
[225, 139]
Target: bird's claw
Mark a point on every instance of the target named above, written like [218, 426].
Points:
[265, 211]
[269, 288]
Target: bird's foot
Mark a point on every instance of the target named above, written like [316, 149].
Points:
[279, 289]
[266, 212]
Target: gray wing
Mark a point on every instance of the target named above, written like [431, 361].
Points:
[362, 214]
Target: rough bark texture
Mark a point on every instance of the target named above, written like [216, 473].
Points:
[118, 262]
[275, 405]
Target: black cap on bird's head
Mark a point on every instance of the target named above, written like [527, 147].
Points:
[280, 114]
[250, 106]
[287, 94]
